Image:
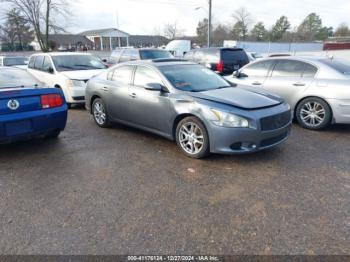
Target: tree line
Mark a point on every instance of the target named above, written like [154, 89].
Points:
[29, 19]
[311, 29]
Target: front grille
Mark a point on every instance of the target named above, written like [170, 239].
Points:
[274, 140]
[276, 121]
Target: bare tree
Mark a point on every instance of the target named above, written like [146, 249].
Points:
[243, 20]
[40, 14]
[171, 31]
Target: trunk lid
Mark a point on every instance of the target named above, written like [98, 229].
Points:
[18, 100]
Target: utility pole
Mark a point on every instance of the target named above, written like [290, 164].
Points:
[209, 23]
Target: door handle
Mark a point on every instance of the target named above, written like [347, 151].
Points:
[105, 89]
[299, 84]
[256, 83]
[133, 95]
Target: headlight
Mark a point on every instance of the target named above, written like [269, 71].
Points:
[71, 83]
[229, 120]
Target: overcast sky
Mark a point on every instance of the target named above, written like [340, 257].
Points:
[149, 16]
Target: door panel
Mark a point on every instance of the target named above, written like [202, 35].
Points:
[288, 80]
[115, 92]
[149, 108]
[255, 74]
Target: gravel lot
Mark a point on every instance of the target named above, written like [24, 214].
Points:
[124, 191]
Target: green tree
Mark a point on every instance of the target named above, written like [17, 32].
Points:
[220, 34]
[281, 26]
[311, 28]
[16, 31]
[202, 31]
[259, 32]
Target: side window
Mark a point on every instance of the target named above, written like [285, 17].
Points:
[122, 74]
[38, 64]
[116, 55]
[259, 69]
[47, 64]
[31, 62]
[134, 55]
[309, 71]
[288, 68]
[144, 76]
[126, 56]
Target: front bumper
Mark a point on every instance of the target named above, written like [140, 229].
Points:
[246, 140]
[27, 125]
[76, 95]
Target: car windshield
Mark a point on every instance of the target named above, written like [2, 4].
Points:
[17, 78]
[77, 62]
[193, 78]
[342, 66]
[15, 61]
[155, 54]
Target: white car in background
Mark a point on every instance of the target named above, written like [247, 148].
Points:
[67, 71]
[14, 61]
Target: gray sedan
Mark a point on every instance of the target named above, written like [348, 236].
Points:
[318, 89]
[188, 103]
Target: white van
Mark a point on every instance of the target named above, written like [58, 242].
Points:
[68, 71]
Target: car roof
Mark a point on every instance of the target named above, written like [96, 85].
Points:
[62, 54]
[305, 58]
[161, 62]
[218, 48]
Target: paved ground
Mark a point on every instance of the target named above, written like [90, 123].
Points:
[123, 191]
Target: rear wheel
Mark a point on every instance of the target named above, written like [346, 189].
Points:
[314, 113]
[192, 138]
[100, 114]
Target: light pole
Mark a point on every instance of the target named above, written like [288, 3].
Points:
[209, 20]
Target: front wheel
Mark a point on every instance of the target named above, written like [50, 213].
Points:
[314, 113]
[192, 138]
[100, 114]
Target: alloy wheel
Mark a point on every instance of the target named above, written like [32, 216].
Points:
[313, 114]
[99, 113]
[191, 138]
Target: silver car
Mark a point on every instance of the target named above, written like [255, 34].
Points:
[317, 88]
[188, 103]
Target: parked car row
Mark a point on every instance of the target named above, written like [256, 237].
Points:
[189, 102]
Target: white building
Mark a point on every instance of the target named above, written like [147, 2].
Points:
[107, 39]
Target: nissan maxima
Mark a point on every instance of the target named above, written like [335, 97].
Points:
[317, 88]
[190, 104]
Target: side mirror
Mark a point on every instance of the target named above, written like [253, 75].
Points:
[50, 70]
[154, 87]
[104, 60]
[239, 74]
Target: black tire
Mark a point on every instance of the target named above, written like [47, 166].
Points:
[53, 134]
[101, 121]
[201, 138]
[314, 113]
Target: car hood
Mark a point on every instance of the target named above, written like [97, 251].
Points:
[82, 74]
[240, 98]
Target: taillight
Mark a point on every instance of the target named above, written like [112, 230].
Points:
[50, 101]
[220, 67]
